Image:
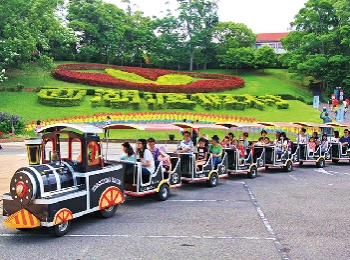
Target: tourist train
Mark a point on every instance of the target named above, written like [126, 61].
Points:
[71, 172]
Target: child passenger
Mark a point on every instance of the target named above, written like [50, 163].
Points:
[226, 142]
[202, 154]
[312, 144]
[165, 158]
[324, 143]
[241, 151]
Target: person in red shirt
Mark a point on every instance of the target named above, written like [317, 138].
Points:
[335, 103]
[241, 152]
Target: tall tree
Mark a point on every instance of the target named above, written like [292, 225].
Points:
[230, 37]
[26, 29]
[198, 17]
[265, 57]
[100, 28]
[319, 45]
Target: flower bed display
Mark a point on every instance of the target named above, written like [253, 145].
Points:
[210, 82]
[143, 118]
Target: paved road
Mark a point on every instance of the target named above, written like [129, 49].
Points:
[297, 215]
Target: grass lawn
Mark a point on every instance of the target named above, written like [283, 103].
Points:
[274, 82]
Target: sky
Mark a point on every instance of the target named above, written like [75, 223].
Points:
[261, 16]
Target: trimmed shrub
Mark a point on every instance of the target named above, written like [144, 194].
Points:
[235, 105]
[282, 105]
[61, 97]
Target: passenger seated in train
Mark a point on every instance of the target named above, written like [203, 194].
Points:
[202, 154]
[263, 133]
[205, 137]
[165, 158]
[260, 141]
[311, 145]
[186, 145]
[302, 138]
[241, 152]
[345, 141]
[277, 137]
[324, 144]
[267, 141]
[225, 143]
[55, 161]
[335, 138]
[231, 138]
[234, 144]
[216, 150]
[145, 157]
[152, 147]
[245, 139]
[129, 154]
[281, 145]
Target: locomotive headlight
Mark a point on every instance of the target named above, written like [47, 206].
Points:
[21, 189]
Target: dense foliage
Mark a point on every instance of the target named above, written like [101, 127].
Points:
[319, 46]
[100, 32]
[11, 124]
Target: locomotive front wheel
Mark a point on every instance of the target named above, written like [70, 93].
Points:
[107, 212]
[163, 193]
[60, 230]
[213, 180]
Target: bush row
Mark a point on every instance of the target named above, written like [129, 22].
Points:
[160, 101]
[58, 97]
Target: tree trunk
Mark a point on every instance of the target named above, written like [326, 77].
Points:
[191, 57]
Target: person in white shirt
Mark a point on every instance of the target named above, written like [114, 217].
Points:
[302, 138]
[145, 157]
[186, 145]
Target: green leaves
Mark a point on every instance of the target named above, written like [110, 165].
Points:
[319, 46]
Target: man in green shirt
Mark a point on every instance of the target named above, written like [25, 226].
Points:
[216, 150]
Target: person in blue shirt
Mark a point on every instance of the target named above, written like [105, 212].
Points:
[345, 140]
[129, 154]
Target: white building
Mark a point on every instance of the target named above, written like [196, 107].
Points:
[271, 39]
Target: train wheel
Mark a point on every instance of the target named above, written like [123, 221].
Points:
[253, 172]
[301, 163]
[107, 212]
[110, 197]
[288, 167]
[213, 180]
[320, 163]
[163, 193]
[335, 160]
[60, 230]
[63, 215]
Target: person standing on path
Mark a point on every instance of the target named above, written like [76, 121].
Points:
[325, 118]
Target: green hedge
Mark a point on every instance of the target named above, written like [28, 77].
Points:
[61, 97]
[134, 99]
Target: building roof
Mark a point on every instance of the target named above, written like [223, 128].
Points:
[266, 37]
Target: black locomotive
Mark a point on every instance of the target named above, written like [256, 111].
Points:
[66, 178]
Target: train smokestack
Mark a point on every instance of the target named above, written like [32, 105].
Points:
[33, 150]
